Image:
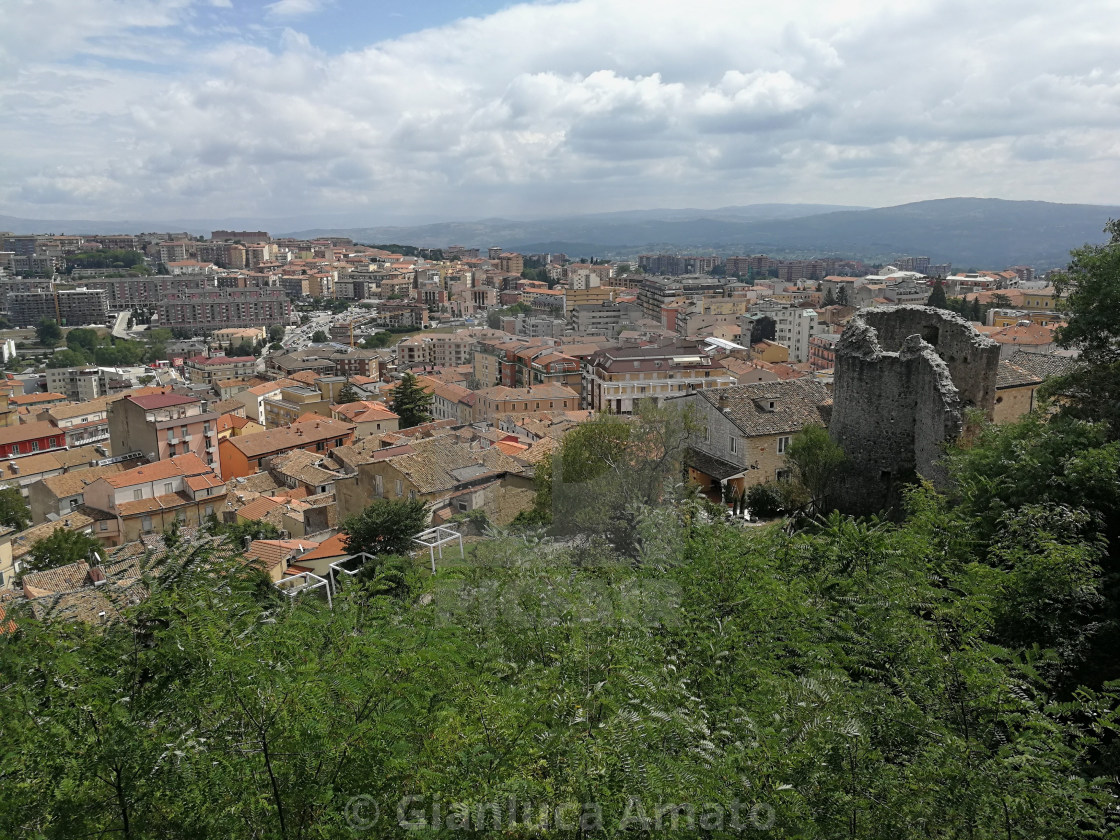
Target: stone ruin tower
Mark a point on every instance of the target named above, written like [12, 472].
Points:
[903, 377]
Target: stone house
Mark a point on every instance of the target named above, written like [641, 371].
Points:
[745, 431]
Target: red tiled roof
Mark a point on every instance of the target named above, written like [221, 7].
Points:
[179, 465]
[150, 401]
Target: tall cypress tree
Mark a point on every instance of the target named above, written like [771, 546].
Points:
[411, 402]
[937, 297]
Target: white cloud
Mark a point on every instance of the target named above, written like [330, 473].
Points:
[294, 8]
[592, 104]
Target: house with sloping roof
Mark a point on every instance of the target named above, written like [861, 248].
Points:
[743, 432]
[244, 455]
[273, 557]
[149, 498]
[369, 417]
[58, 495]
[435, 469]
[1018, 379]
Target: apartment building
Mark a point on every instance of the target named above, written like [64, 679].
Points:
[242, 455]
[163, 426]
[150, 498]
[615, 379]
[30, 438]
[85, 423]
[292, 403]
[603, 319]
[655, 293]
[207, 309]
[438, 349]
[793, 326]
[68, 307]
[207, 370]
[492, 403]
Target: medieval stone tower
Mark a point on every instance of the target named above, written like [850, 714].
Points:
[904, 376]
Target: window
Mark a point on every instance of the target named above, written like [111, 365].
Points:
[15, 448]
[378, 487]
[707, 435]
[137, 495]
[146, 523]
[34, 446]
[783, 445]
[400, 488]
[732, 442]
[103, 525]
[53, 442]
[168, 487]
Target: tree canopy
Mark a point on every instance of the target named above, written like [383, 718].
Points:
[13, 509]
[411, 402]
[61, 547]
[386, 526]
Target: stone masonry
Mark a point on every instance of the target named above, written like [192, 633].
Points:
[904, 377]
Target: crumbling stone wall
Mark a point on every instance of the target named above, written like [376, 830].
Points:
[904, 376]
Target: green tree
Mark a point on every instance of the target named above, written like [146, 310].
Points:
[67, 358]
[1091, 290]
[13, 509]
[63, 546]
[937, 296]
[275, 333]
[976, 313]
[842, 295]
[829, 297]
[348, 394]
[610, 467]
[48, 332]
[83, 340]
[387, 526]
[411, 402]
[320, 337]
[816, 461]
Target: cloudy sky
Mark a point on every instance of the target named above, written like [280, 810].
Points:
[387, 110]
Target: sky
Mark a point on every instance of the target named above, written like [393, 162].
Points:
[397, 111]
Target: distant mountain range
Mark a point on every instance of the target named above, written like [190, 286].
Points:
[969, 232]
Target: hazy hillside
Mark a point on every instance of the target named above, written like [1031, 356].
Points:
[969, 232]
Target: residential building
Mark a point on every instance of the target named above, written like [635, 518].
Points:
[444, 473]
[292, 403]
[163, 426]
[253, 398]
[67, 307]
[83, 423]
[151, 497]
[242, 455]
[57, 496]
[368, 418]
[335, 359]
[822, 351]
[208, 309]
[1019, 378]
[30, 438]
[793, 326]
[615, 379]
[744, 432]
[207, 370]
[493, 403]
